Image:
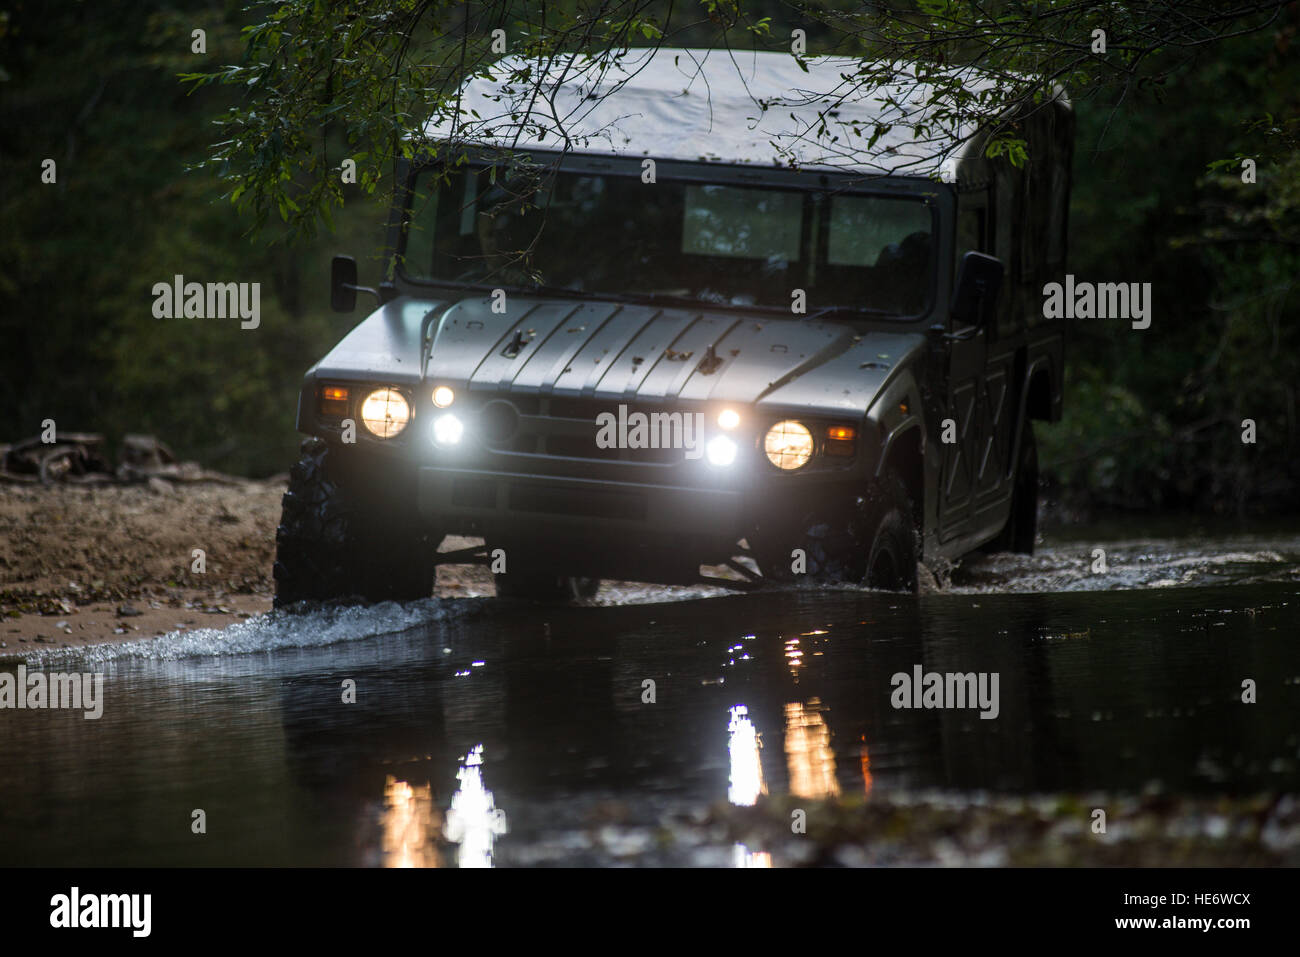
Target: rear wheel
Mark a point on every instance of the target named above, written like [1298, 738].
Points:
[335, 542]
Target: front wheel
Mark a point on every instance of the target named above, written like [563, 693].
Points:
[894, 552]
[868, 540]
[336, 542]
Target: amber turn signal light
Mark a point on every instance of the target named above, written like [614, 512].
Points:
[839, 440]
[333, 400]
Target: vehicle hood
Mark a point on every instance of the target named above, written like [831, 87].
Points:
[625, 352]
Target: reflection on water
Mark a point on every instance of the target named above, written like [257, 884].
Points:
[744, 857]
[809, 760]
[794, 656]
[409, 823]
[474, 821]
[746, 763]
[808, 751]
[747, 783]
[1122, 693]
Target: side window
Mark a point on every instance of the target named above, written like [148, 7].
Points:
[421, 221]
[433, 201]
[1043, 250]
[1035, 235]
[1009, 194]
[1059, 208]
[1046, 187]
[972, 229]
[972, 218]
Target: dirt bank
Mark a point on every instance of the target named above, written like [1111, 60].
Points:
[107, 563]
[80, 565]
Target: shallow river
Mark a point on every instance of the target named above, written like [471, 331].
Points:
[485, 732]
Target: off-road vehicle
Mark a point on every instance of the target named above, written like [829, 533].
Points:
[677, 317]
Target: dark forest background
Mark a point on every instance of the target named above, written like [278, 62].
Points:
[1152, 419]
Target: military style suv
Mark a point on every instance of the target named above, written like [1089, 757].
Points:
[676, 317]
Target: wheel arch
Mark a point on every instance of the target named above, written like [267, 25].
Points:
[904, 453]
[1038, 391]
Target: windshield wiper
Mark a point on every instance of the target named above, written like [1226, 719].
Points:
[631, 297]
[542, 289]
[859, 310]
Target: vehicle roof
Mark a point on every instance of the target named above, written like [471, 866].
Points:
[749, 108]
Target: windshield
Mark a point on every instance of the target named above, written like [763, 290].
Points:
[600, 233]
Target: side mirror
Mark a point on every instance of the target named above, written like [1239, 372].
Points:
[343, 284]
[978, 279]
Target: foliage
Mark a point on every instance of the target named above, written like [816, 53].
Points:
[1160, 184]
[79, 257]
[379, 70]
[146, 182]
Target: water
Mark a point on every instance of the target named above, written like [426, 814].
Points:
[489, 733]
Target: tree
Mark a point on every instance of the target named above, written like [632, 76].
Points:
[374, 72]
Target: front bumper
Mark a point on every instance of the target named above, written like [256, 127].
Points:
[511, 505]
[541, 485]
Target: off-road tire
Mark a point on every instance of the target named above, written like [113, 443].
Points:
[869, 540]
[1022, 523]
[335, 543]
[895, 542]
[538, 587]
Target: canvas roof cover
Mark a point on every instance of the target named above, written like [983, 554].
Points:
[714, 105]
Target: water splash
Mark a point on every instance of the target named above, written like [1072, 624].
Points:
[272, 631]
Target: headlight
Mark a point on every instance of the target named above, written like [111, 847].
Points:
[385, 412]
[443, 396]
[788, 444]
[720, 450]
[728, 419]
[447, 429]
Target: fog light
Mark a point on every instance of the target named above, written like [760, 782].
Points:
[443, 396]
[788, 444]
[728, 419]
[385, 413]
[720, 450]
[447, 429]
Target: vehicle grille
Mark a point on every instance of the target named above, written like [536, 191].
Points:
[564, 428]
